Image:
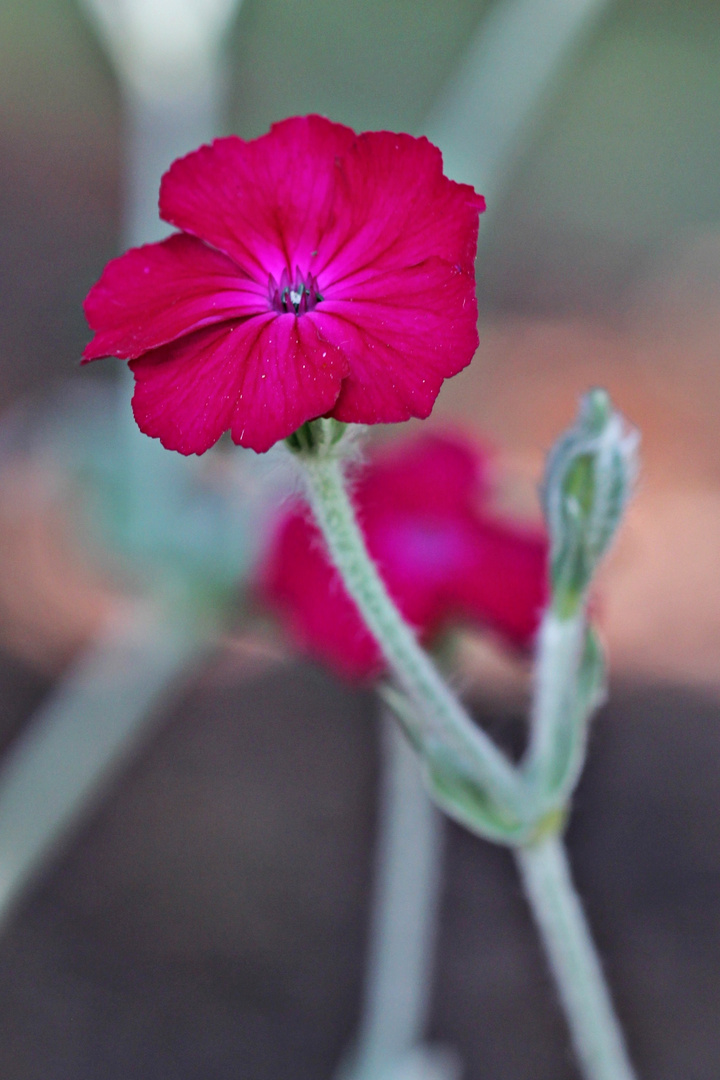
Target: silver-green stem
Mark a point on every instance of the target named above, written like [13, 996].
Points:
[440, 711]
[557, 662]
[406, 892]
[573, 960]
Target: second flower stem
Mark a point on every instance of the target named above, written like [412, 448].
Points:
[596, 1034]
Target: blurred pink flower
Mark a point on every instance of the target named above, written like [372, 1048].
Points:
[424, 509]
[317, 273]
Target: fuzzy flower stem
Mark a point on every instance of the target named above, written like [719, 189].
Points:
[573, 960]
[557, 660]
[441, 714]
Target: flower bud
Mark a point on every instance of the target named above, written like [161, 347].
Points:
[589, 478]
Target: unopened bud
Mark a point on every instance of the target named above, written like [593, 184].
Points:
[589, 478]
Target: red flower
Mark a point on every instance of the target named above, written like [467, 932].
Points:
[443, 556]
[317, 273]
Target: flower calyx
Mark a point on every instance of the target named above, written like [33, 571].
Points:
[320, 438]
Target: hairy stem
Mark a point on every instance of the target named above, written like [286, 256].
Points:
[557, 659]
[441, 713]
[573, 960]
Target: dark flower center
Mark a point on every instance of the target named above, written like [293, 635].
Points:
[296, 296]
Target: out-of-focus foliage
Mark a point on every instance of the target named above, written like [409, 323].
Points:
[622, 156]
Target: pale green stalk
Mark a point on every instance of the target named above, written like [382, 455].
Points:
[553, 718]
[403, 920]
[85, 733]
[596, 1034]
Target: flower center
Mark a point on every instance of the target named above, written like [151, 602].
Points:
[296, 296]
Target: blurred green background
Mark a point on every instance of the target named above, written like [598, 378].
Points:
[625, 153]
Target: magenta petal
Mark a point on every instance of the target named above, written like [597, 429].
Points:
[395, 209]
[186, 392]
[443, 472]
[292, 375]
[266, 203]
[261, 379]
[506, 587]
[154, 294]
[418, 552]
[404, 334]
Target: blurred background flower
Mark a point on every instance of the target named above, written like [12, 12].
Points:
[425, 509]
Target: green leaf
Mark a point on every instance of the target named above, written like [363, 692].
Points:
[456, 792]
[449, 781]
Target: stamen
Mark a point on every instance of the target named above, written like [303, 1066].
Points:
[293, 297]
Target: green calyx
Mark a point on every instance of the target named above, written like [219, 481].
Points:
[317, 438]
[455, 790]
